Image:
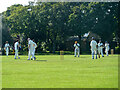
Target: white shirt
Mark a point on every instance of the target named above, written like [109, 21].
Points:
[35, 45]
[31, 43]
[76, 45]
[93, 45]
[107, 46]
[16, 45]
[100, 45]
[7, 46]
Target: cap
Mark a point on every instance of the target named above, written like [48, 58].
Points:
[93, 38]
[28, 38]
[105, 41]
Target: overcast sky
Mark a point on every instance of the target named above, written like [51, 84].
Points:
[7, 3]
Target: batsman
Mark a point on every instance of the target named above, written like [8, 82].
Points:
[77, 49]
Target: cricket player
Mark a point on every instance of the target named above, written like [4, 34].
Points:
[16, 45]
[77, 49]
[7, 48]
[93, 45]
[107, 48]
[34, 47]
[100, 49]
[30, 48]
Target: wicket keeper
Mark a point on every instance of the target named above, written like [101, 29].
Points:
[100, 49]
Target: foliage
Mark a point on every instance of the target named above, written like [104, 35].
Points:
[53, 23]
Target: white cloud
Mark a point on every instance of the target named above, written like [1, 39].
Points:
[7, 3]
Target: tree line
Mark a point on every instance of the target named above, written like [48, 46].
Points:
[51, 24]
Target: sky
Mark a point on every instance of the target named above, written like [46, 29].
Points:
[7, 3]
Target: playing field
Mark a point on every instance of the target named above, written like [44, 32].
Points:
[49, 71]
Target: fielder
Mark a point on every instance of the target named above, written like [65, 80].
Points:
[30, 48]
[7, 48]
[100, 49]
[16, 45]
[107, 48]
[93, 45]
[34, 47]
[77, 49]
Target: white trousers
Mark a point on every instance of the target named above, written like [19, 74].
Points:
[77, 50]
[16, 53]
[100, 51]
[7, 52]
[106, 51]
[94, 52]
[33, 53]
[30, 53]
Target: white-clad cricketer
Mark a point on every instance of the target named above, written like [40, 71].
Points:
[107, 48]
[16, 46]
[77, 49]
[7, 48]
[30, 48]
[34, 47]
[100, 49]
[93, 45]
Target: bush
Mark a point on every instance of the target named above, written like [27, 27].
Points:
[117, 50]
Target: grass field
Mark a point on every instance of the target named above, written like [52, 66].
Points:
[51, 72]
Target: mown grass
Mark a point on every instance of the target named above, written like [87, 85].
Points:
[49, 71]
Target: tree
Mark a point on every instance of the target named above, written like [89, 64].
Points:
[52, 23]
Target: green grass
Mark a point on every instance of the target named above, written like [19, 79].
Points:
[51, 72]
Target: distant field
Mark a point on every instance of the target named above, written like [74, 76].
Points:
[49, 71]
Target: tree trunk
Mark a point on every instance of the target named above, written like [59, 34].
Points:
[54, 47]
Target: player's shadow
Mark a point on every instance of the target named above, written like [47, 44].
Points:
[41, 60]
